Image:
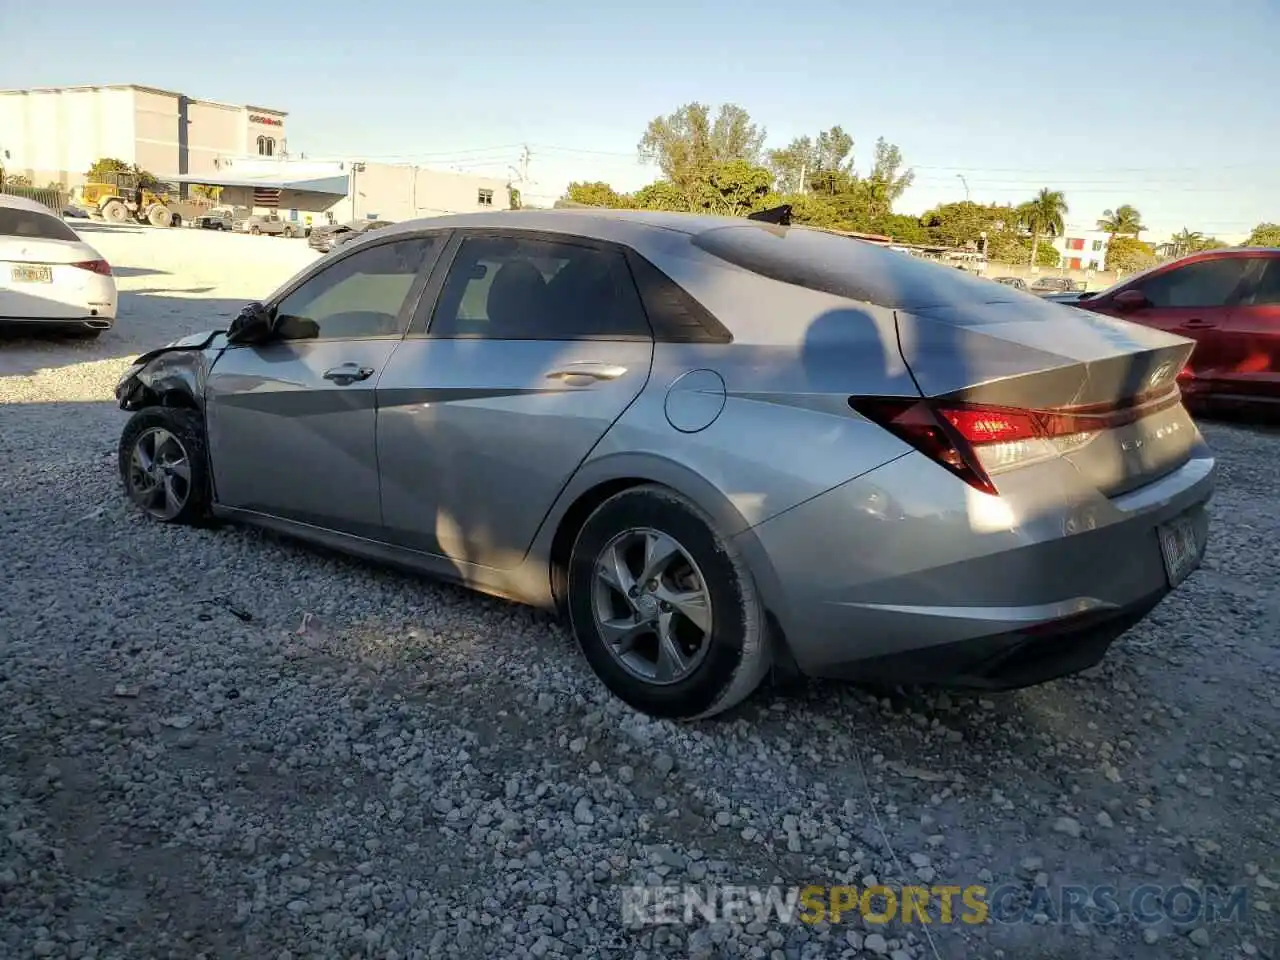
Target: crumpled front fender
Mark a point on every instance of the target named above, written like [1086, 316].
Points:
[172, 375]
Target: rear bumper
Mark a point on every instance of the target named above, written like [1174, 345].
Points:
[55, 324]
[907, 575]
[1020, 658]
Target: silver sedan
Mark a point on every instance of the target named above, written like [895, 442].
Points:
[718, 447]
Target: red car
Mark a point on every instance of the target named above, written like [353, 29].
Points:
[1228, 301]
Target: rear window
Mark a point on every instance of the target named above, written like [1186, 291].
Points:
[850, 268]
[28, 224]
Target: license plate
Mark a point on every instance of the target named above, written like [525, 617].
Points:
[1180, 548]
[32, 273]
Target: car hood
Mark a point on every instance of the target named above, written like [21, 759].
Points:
[215, 339]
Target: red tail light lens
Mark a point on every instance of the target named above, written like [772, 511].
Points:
[95, 266]
[974, 441]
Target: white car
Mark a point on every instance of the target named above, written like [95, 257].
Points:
[49, 277]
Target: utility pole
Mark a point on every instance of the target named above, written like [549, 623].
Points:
[966, 186]
[525, 156]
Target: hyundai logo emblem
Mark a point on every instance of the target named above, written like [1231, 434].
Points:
[1160, 375]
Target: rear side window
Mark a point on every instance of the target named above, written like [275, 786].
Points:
[29, 224]
[1205, 283]
[1266, 292]
[521, 288]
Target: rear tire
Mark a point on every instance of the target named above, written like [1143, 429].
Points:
[287, 233]
[716, 664]
[115, 212]
[158, 216]
[163, 465]
[254, 231]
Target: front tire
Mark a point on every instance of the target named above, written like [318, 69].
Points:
[163, 465]
[664, 608]
[115, 212]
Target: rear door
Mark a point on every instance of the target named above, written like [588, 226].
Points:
[1194, 300]
[292, 422]
[535, 346]
[1251, 336]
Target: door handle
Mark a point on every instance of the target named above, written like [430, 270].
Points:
[347, 373]
[575, 372]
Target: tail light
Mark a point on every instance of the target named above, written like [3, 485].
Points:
[976, 441]
[95, 266]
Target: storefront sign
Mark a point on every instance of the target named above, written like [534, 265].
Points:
[269, 121]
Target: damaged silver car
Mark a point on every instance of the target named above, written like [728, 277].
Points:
[719, 447]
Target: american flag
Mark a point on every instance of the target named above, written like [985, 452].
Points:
[266, 197]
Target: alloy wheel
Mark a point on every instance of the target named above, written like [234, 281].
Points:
[159, 473]
[651, 605]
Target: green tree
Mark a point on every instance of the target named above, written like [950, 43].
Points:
[1127, 254]
[1123, 221]
[661, 195]
[207, 191]
[597, 194]
[888, 181]
[958, 224]
[686, 144]
[734, 188]
[807, 163]
[1047, 256]
[514, 201]
[107, 165]
[1043, 216]
[17, 180]
[1186, 241]
[1264, 235]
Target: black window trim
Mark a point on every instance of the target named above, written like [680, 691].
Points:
[714, 332]
[407, 308]
[424, 317]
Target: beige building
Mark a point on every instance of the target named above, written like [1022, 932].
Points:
[54, 134]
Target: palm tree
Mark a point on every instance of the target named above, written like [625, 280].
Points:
[1188, 241]
[1122, 221]
[1043, 215]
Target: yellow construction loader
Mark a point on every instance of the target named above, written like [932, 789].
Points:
[119, 197]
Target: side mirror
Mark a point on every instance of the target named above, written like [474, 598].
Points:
[252, 325]
[1130, 299]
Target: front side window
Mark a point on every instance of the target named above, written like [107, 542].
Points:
[1205, 283]
[34, 225]
[509, 288]
[359, 296]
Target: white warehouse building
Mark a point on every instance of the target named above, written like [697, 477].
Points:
[340, 190]
[55, 134]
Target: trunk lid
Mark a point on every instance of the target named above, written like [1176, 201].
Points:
[1116, 381]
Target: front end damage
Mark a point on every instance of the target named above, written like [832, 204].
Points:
[173, 375]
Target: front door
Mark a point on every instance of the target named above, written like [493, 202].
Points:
[292, 421]
[535, 347]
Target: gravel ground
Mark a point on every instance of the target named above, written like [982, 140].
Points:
[223, 744]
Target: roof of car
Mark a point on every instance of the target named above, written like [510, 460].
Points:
[22, 203]
[601, 224]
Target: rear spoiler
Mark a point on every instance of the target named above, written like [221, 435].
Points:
[779, 215]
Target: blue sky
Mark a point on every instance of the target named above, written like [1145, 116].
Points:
[1163, 105]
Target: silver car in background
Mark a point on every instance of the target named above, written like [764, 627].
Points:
[718, 446]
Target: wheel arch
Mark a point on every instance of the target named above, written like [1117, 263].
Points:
[599, 480]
